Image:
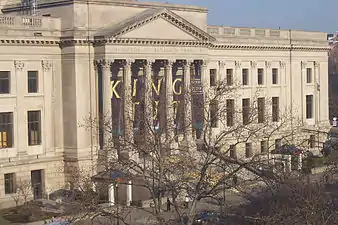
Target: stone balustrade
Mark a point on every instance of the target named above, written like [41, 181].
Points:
[12, 22]
[219, 31]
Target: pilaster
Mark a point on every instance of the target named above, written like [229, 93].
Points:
[48, 111]
[21, 141]
[169, 100]
[127, 102]
[187, 103]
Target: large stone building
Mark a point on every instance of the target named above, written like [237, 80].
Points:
[55, 70]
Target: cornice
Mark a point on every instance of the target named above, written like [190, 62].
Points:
[29, 42]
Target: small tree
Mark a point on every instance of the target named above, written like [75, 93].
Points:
[23, 192]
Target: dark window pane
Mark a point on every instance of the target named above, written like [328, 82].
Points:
[214, 113]
[261, 110]
[275, 109]
[260, 75]
[213, 77]
[230, 73]
[4, 82]
[274, 76]
[9, 183]
[309, 106]
[264, 146]
[245, 77]
[246, 110]
[248, 150]
[308, 75]
[233, 153]
[32, 81]
[34, 127]
[6, 130]
[230, 105]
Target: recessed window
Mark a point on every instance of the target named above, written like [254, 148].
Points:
[274, 76]
[309, 106]
[214, 113]
[260, 76]
[261, 110]
[245, 77]
[230, 75]
[9, 183]
[278, 143]
[213, 77]
[4, 82]
[248, 150]
[264, 146]
[6, 130]
[275, 109]
[33, 81]
[34, 128]
[246, 110]
[309, 75]
[232, 150]
[230, 107]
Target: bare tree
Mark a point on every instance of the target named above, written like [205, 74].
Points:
[185, 160]
[23, 192]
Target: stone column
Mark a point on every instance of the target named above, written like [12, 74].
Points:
[169, 100]
[129, 193]
[111, 194]
[316, 80]
[300, 162]
[148, 105]
[48, 89]
[205, 79]
[187, 102]
[128, 104]
[20, 138]
[106, 86]
[221, 76]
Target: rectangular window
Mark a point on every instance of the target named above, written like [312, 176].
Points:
[233, 153]
[274, 76]
[214, 113]
[230, 75]
[248, 150]
[213, 77]
[278, 143]
[246, 110]
[230, 104]
[261, 110]
[264, 146]
[275, 109]
[309, 106]
[312, 141]
[308, 75]
[9, 183]
[260, 76]
[6, 130]
[33, 81]
[245, 77]
[4, 82]
[34, 128]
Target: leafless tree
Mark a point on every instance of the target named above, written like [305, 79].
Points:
[187, 161]
[23, 192]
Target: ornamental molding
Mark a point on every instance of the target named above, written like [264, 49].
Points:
[316, 64]
[19, 65]
[282, 64]
[253, 64]
[238, 64]
[267, 64]
[221, 64]
[46, 65]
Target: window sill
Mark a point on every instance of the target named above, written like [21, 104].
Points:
[34, 95]
[7, 96]
[275, 85]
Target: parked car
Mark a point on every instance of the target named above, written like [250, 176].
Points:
[205, 218]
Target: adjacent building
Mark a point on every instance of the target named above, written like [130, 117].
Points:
[66, 62]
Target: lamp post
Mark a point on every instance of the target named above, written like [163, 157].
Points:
[116, 184]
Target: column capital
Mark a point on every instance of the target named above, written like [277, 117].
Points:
[253, 64]
[105, 63]
[238, 64]
[19, 65]
[316, 64]
[267, 64]
[204, 63]
[188, 63]
[150, 61]
[46, 65]
[221, 63]
[282, 64]
[303, 64]
[128, 62]
[170, 62]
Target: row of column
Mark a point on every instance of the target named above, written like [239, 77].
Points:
[127, 64]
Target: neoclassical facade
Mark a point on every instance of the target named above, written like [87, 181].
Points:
[75, 58]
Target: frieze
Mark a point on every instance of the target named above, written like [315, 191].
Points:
[149, 49]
